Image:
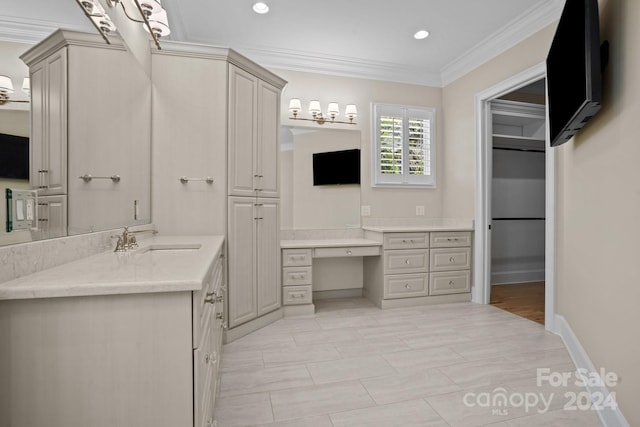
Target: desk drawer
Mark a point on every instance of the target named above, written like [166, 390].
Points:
[406, 261]
[296, 276]
[293, 295]
[296, 257]
[346, 251]
[450, 239]
[406, 285]
[406, 240]
[454, 282]
[450, 259]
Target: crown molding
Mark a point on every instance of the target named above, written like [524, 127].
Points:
[340, 66]
[524, 26]
[31, 31]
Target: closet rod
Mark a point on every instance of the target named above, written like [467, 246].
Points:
[519, 219]
[533, 150]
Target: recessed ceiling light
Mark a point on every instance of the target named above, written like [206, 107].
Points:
[422, 34]
[260, 8]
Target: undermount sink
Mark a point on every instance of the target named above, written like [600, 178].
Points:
[170, 247]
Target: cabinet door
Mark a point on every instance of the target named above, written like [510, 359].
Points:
[268, 256]
[37, 73]
[242, 132]
[243, 299]
[55, 164]
[52, 217]
[268, 146]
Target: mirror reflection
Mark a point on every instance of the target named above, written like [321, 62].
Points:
[303, 204]
[75, 150]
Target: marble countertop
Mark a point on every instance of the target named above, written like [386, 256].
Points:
[153, 267]
[415, 228]
[327, 243]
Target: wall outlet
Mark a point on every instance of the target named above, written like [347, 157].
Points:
[365, 210]
[420, 210]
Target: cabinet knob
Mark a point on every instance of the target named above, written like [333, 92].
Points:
[451, 283]
[210, 298]
[207, 358]
[407, 286]
[219, 316]
[408, 262]
[348, 252]
[452, 259]
[225, 325]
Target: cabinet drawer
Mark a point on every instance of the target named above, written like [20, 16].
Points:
[297, 295]
[406, 240]
[450, 259]
[347, 251]
[296, 276]
[296, 257]
[406, 261]
[406, 285]
[454, 282]
[450, 239]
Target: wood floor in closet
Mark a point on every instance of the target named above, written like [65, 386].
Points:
[523, 299]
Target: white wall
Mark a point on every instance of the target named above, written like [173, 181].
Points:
[384, 202]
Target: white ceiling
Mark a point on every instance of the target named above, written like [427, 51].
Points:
[363, 38]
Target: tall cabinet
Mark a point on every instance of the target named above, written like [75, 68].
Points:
[224, 125]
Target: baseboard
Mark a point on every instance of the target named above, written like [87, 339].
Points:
[608, 416]
[521, 276]
[231, 335]
[299, 310]
[338, 293]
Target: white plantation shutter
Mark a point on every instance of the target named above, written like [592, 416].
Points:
[404, 154]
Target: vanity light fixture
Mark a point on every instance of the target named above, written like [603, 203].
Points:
[6, 88]
[26, 85]
[333, 111]
[151, 15]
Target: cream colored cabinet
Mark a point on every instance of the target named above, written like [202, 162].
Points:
[85, 143]
[254, 258]
[48, 140]
[52, 217]
[419, 268]
[253, 135]
[149, 359]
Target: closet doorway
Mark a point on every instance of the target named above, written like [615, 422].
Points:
[518, 192]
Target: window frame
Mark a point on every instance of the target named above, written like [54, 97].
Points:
[378, 179]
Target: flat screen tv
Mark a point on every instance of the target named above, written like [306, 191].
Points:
[574, 82]
[336, 167]
[14, 157]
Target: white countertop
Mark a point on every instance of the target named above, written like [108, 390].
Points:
[138, 271]
[327, 243]
[415, 228]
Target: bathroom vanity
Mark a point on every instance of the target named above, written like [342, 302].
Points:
[126, 339]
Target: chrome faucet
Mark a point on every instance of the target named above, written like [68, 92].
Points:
[128, 240]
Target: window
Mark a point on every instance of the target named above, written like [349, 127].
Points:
[404, 152]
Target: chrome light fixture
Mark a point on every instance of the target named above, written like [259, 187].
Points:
[333, 111]
[151, 15]
[6, 88]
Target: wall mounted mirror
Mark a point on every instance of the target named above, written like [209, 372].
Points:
[94, 145]
[303, 205]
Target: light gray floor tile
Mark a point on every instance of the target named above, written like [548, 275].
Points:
[245, 410]
[558, 418]
[319, 400]
[319, 421]
[253, 342]
[409, 361]
[326, 336]
[346, 322]
[486, 372]
[398, 388]
[253, 380]
[235, 360]
[349, 369]
[435, 338]
[405, 414]
[300, 355]
[371, 346]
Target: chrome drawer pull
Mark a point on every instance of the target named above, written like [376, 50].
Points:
[219, 316]
[452, 259]
[210, 298]
[451, 283]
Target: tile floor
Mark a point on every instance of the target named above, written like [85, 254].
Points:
[352, 364]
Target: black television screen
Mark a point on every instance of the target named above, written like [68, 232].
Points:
[574, 82]
[14, 157]
[336, 167]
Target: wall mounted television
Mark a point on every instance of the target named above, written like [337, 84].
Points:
[14, 157]
[574, 81]
[336, 167]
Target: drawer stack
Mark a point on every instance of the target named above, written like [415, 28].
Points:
[419, 265]
[208, 325]
[296, 277]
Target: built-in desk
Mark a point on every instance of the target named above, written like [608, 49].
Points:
[297, 266]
